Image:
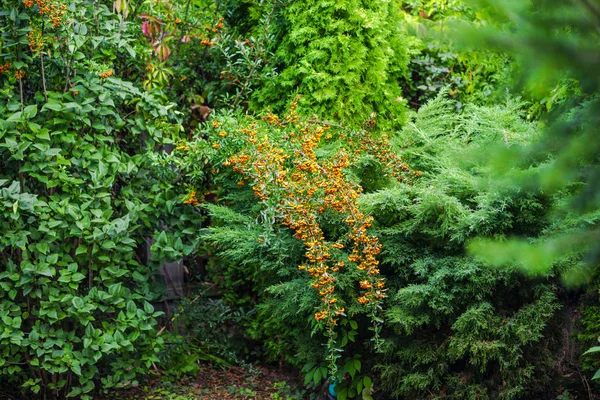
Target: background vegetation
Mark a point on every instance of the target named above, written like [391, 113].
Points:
[394, 197]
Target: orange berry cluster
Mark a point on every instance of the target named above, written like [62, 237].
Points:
[19, 74]
[52, 9]
[36, 41]
[28, 3]
[217, 27]
[228, 75]
[287, 171]
[182, 147]
[106, 74]
[5, 68]
[192, 199]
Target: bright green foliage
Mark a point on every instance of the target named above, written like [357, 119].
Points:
[76, 203]
[457, 327]
[343, 58]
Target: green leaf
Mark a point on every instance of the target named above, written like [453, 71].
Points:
[48, 271]
[76, 391]
[42, 247]
[78, 303]
[15, 117]
[52, 106]
[76, 277]
[367, 382]
[594, 349]
[30, 111]
[131, 307]
[81, 249]
[317, 376]
[53, 152]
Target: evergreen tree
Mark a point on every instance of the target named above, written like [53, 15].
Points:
[457, 328]
[343, 57]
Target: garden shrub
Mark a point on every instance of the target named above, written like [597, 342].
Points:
[456, 327]
[75, 200]
[452, 325]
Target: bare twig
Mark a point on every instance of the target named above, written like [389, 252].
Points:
[175, 316]
[43, 76]
[21, 91]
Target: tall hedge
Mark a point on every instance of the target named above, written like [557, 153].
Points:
[76, 200]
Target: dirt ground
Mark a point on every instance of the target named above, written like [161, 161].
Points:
[216, 384]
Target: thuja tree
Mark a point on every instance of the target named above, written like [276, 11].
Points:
[457, 327]
[75, 299]
[344, 58]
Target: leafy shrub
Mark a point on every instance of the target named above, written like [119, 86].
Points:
[74, 204]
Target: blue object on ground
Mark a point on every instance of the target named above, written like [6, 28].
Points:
[332, 394]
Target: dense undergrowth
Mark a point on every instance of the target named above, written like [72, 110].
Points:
[397, 197]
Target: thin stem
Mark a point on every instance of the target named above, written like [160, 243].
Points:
[316, 122]
[21, 92]
[43, 76]
[42, 67]
[187, 7]
[176, 315]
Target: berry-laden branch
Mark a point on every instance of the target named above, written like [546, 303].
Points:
[286, 174]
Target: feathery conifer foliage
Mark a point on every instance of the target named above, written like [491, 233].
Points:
[456, 327]
[343, 58]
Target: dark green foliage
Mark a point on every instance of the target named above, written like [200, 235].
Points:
[457, 327]
[76, 207]
[589, 329]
